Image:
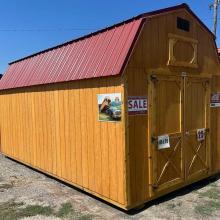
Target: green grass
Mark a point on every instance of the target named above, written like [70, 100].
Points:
[8, 210]
[212, 193]
[33, 210]
[208, 207]
[65, 210]
[13, 211]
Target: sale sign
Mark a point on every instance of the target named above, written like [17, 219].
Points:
[137, 105]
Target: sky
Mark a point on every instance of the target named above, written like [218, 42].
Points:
[28, 26]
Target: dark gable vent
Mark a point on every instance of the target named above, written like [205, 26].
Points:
[183, 24]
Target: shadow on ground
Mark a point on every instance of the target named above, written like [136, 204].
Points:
[180, 192]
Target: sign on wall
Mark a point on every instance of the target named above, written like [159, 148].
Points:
[163, 142]
[215, 99]
[109, 106]
[201, 134]
[137, 105]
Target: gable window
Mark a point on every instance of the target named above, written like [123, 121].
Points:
[183, 24]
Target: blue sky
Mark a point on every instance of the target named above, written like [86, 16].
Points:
[28, 26]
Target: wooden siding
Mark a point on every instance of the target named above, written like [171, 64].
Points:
[137, 140]
[151, 52]
[55, 128]
[215, 128]
[151, 57]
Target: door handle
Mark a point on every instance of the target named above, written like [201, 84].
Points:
[195, 131]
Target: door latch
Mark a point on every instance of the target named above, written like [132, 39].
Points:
[153, 139]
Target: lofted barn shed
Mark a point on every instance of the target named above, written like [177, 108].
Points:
[128, 113]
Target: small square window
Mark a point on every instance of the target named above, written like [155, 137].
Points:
[183, 24]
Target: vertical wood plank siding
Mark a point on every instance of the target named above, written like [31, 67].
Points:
[150, 57]
[55, 128]
[215, 128]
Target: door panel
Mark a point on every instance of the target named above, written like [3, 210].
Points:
[168, 162]
[180, 107]
[196, 117]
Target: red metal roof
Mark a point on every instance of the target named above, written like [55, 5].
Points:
[103, 53]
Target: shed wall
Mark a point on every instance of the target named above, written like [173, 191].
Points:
[215, 122]
[151, 56]
[137, 139]
[55, 128]
[152, 50]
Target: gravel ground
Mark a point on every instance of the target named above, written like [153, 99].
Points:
[30, 195]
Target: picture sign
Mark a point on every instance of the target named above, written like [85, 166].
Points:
[201, 134]
[109, 107]
[163, 142]
[137, 105]
[215, 99]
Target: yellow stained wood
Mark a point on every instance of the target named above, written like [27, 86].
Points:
[104, 148]
[72, 133]
[83, 137]
[62, 122]
[90, 137]
[215, 122]
[67, 133]
[57, 130]
[97, 142]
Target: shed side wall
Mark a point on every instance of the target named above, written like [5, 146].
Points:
[55, 128]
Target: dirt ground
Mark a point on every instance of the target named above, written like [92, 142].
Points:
[27, 194]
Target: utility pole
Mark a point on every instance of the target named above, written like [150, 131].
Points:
[215, 18]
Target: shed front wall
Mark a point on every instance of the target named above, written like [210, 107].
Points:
[55, 128]
[215, 122]
[150, 57]
[152, 50]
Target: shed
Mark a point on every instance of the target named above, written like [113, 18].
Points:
[128, 113]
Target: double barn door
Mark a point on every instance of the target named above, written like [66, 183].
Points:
[180, 127]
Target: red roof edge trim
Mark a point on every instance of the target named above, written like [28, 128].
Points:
[129, 54]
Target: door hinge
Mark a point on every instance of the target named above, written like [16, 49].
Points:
[154, 78]
[154, 186]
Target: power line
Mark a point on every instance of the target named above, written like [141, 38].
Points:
[47, 29]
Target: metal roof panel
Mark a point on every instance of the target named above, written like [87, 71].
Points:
[101, 54]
